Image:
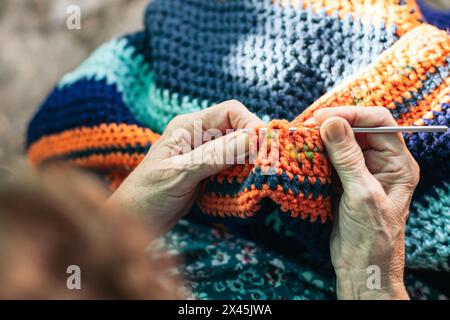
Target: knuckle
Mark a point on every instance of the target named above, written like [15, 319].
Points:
[166, 171]
[371, 196]
[211, 153]
[349, 156]
[235, 104]
[177, 121]
[384, 113]
[181, 117]
[387, 114]
[383, 110]
[414, 173]
[408, 173]
[181, 168]
[417, 172]
[368, 198]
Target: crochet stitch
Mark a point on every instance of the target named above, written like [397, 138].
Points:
[301, 184]
[283, 60]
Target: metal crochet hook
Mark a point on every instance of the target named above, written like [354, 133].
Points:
[390, 129]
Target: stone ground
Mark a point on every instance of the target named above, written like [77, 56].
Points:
[37, 48]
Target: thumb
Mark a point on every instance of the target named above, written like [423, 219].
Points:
[345, 153]
[214, 156]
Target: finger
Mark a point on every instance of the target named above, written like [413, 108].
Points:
[387, 156]
[224, 116]
[345, 154]
[358, 116]
[230, 115]
[368, 117]
[193, 129]
[214, 156]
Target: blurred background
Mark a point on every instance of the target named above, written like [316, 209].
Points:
[37, 49]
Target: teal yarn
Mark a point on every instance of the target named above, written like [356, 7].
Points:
[118, 63]
[167, 105]
[428, 231]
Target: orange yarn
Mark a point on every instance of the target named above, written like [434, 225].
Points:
[81, 139]
[301, 154]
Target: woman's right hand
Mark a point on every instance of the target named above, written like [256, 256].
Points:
[378, 176]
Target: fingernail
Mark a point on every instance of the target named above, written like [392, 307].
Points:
[317, 112]
[335, 130]
[310, 121]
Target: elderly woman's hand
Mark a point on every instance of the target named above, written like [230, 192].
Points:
[378, 176]
[165, 184]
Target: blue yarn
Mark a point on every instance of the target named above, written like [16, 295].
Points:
[285, 182]
[432, 150]
[439, 18]
[295, 185]
[258, 179]
[277, 230]
[129, 150]
[85, 103]
[432, 81]
[141, 43]
[207, 51]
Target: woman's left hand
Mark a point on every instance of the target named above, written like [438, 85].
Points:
[165, 184]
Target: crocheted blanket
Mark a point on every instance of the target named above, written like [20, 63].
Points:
[283, 60]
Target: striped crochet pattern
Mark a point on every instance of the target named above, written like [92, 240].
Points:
[283, 59]
[300, 184]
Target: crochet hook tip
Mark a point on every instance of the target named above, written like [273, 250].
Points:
[410, 129]
[393, 129]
